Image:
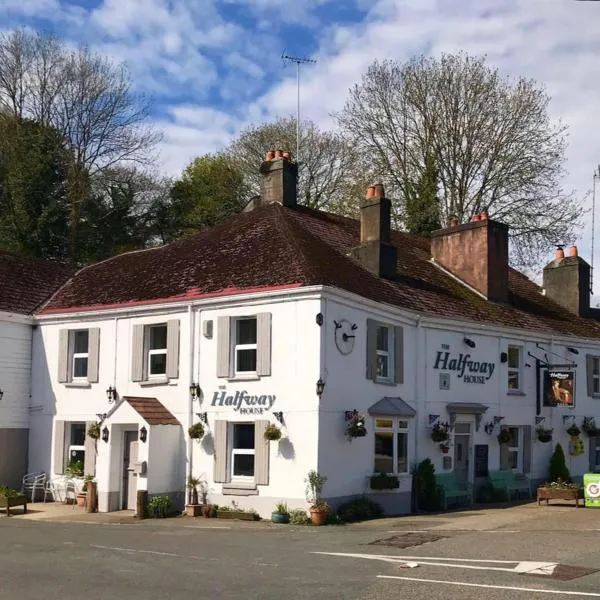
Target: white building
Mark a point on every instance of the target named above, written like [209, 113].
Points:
[406, 331]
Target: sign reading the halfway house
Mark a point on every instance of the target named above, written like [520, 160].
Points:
[559, 388]
[467, 369]
[243, 402]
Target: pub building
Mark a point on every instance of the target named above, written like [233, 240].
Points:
[302, 319]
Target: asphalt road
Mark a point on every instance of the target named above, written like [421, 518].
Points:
[164, 560]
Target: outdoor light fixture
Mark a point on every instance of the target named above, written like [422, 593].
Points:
[279, 416]
[203, 416]
[143, 434]
[572, 350]
[320, 387]
[194, 391]
[111, 393]
[503, 357]
[105, 434]
[319, 319]
[489, 427]
[1, 394]
[469, 342]
[101, 416]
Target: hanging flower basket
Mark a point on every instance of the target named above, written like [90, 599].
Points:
[93, 431]
[439, 433]
[196, 431]
[356, 426]
[589, 427]
[504, 437]
[272, 433]
[574, 430]
[576, 447]
[544, 435]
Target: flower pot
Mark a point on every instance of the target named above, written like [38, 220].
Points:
[81, 499]
[193, 510]
[277, 517]
[208, 511]
[318, 515]
[444, 449]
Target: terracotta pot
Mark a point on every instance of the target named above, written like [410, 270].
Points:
[81, 499]
[445, 450]
[318, 515]
[193, 510]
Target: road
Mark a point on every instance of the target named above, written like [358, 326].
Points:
[171, 560]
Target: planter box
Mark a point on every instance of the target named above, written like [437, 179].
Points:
[193, 510]
[546, 493]
[387, 482]
[237, 514]
[8, 502]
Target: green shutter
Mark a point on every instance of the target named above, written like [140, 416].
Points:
[371, 349]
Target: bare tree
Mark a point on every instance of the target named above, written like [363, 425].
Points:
[327, 173]
[491, 138]
[86, 98]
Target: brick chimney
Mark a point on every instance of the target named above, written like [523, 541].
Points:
[567, 281]
[376, 252]
[476, 253]
[279, 177]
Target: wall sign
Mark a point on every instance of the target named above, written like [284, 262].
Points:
[559, 388]
[470, 371]
[243, 402]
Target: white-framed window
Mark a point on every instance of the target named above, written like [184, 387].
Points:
[515, 449]
[244, 345]
[391, 445]
[242, 450]
[75, 438]
[385, 353]
[514, 368]
[157, 350]
[79, 354]
[595, 374]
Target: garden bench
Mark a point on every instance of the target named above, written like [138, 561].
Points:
[510, 482]
[450, 489]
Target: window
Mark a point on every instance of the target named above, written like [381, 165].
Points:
[80, 346]
[242, 450]
[391, 446]
[385, 351]
[157, 350]
[595, 363]
[514, 368]
[514, 449]
[245, 345]
[597, 455]
[75, 434]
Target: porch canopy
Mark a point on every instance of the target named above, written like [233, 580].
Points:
[150, 409]
[391, 406]
[466, 408]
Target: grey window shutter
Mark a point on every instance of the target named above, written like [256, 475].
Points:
[173, 349]
[63, 356]
[261, 454]
[220, 475]
[59, 447]
[93, 354]
[526, 448]
[371, 349]
[504, 457]
[263, 344]
[137, 353]
[89, 462]
[592, 454]
[224, 362]
[399, 354]
[589, 362]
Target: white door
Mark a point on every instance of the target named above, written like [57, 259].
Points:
[130, 457]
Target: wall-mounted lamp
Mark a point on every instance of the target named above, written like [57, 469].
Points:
[572, 350]
[1, 394]
[568, 419]
[111, 393]
[105, 434]
[320, 387]
[498, 420]
[101, 416]
[319, 319]
[143, 434]
[469, 342]
[203, 416]
[489, 427]
[194, 391]
[503, 357]
[279, 416]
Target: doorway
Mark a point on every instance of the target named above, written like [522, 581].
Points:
[462, 435]
[130, 457]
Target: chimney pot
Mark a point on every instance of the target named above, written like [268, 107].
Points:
[370, 191]
[475, 218]
[453, 222]
[287, 156]
[278, 154]
[270, 155]
[279, 179]
[484, 216]
[378, 191]
[572, 250]
[560, 253]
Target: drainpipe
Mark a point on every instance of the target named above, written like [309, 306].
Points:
[191, 321]
[322, 370]
[419, 407]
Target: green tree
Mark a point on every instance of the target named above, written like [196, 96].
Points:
[558, 468]
[421, 204]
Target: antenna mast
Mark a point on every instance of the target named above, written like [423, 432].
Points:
[299, 61]
[596, 176]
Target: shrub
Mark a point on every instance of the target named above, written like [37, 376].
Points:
[298, 516]
[558, 468]
[488, 493]
[159, 507]
[8, 492]
[428, 494]
[315, 482]
[282, 508]
[75, 468]
[359, 509]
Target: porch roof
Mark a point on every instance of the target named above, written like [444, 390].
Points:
[391, 406]
[150, 409]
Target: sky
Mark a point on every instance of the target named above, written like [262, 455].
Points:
[214, 66]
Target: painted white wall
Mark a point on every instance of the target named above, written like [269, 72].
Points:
[165, 449]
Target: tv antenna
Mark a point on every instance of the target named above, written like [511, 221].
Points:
[299, 61]
[596, 176]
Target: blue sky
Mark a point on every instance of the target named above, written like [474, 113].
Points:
[213, 66]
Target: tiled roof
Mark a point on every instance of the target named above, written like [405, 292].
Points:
[151, 410]
[276, 246]
[26, 283]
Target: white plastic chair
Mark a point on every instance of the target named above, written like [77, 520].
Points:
[56, 488]
[33, 482]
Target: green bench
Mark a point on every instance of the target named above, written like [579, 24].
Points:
[451, 490]
[511, 483]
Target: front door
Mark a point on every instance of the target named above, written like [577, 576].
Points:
[462, 433]
[130, 457]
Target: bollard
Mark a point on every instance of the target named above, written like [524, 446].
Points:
[91, 501]
[141, 508]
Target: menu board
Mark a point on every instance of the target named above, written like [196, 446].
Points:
[481, 460]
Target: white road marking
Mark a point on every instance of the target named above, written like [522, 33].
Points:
[134, 550]
[489, 586]
[203, 527]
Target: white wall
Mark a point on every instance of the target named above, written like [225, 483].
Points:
[166, 469]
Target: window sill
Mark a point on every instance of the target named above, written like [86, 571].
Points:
[154, 381]
[243, 377]
[239, 489]
[79, 384]
[389, 382]
[515, 393]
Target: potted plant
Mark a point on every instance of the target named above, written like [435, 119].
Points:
[439, 432]
[574, 430]
[319, 509]
[383, 481]
[281, 514]
[93, 431]
[504, 437]
[10, 498]
[194, 508]
[589, 427]
[196, 431]
[558, 490]
[75, 468]
[235, 512]
[544, 435]
[356, 426]
[272, 433]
